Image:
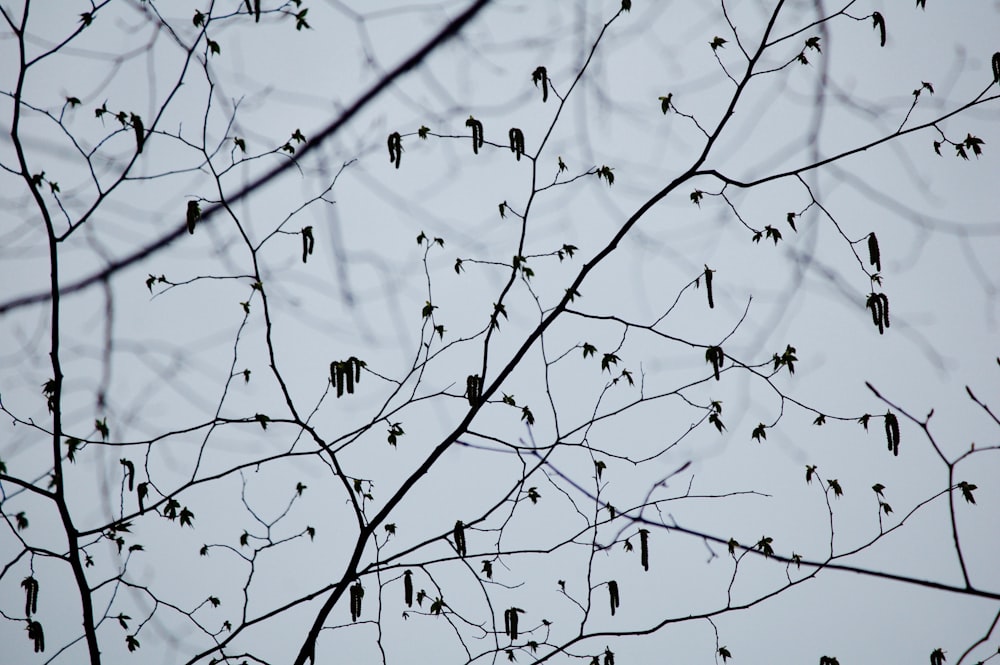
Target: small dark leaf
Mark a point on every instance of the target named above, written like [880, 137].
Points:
[665, 102]
[102, 427]
[300, 19]
[810, 472]
[967, 489]
[714, 419]
[527, 416]
[975, 144]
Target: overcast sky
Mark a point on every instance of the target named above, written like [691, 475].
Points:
[169, 357]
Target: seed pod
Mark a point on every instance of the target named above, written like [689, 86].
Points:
[644, 548]
[36, 635]
[516, 142]
[308, 242]
[878, 303]
[345, 373]
[892, 432]
[193, 215]
[473, 388]
[357, 593]
[884, 302]
[140, 132]
[510, 621]
[30, 586]
[708, 286]
[715, 355]
[459, 534]
[540, 75]
[879, 22]
[873, 254]
[408, 588]
[872, 303]
[477, 134]
[613, 596]
[395, 143]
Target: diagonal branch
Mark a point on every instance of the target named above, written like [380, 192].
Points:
[418, 56]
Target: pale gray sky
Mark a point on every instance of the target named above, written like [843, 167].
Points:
[362, 290]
